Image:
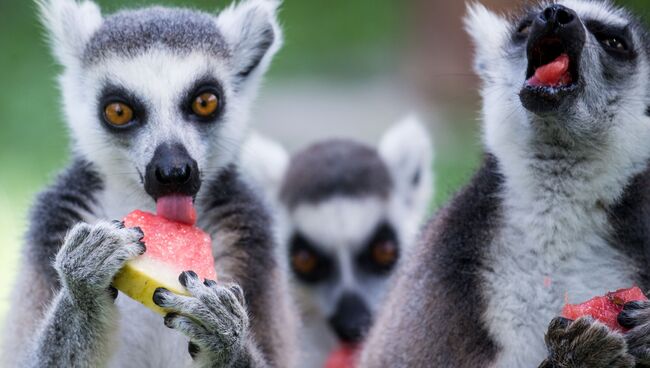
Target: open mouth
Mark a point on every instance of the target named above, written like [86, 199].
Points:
[551, 66]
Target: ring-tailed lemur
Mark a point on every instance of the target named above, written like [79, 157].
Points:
[156, 100]
[558, 208]
[347, 213]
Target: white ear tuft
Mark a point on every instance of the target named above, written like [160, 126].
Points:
[253, 33]
[488, 30]
[407, 150]
[70, 25]
[264, 163]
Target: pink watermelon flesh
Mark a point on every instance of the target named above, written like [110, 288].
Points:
[554, 74]
[605, 308]
[177, 246]
[177, 208]
[345, 356]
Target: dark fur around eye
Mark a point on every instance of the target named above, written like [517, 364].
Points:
[523, 28]
[616, 41]
[111, 94]
[201, 86]
[383, 234]
[324, 268]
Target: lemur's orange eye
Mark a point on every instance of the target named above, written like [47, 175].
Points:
[118, 113]
[205, 104]
[384, 253]
[304, 262]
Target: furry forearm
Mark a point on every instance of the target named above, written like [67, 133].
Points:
[73, 336]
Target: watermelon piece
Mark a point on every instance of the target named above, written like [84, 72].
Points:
[345, 356]
[605, 308]
[554, 74]
[172, 247]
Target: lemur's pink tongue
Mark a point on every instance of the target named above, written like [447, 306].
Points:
[177, 208]
[554, 74]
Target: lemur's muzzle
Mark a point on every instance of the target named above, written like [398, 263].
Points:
[352, 318]
[554, 48]
[172, 171]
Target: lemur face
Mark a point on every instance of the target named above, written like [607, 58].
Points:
[581, 63]
[341, 252]
[348, 213]
[158, 97]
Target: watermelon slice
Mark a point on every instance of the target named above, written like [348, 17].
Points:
[554, 74]
[605, 308]
[345, 356]
[172, 247]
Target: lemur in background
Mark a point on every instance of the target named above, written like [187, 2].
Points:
[157, 101]
[347, 212]
[560, 206]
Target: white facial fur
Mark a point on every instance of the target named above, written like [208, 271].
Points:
[340, 226]
[556, 240]
[159, 77]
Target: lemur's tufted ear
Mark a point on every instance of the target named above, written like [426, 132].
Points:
[488, 31]
[253, 35]
[70, 25]
[264, 163]
[407, 150]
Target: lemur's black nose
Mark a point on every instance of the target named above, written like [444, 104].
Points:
[557, 14]
[352, 318]
[172, 171]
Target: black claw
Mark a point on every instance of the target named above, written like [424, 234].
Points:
[112, 291]
[636, 305]
[143, 245]
[119, 224]
[158, 296]
[193, 349]
[139, 229]
[169, 317]
[182, 278]
[626, 319]
[209, 283]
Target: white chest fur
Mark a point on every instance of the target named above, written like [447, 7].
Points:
[553, 247]
[144, 341]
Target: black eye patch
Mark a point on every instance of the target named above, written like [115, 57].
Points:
[307, 262]
[616, 41]
[201, 86]
[381, 252]
[112, 93]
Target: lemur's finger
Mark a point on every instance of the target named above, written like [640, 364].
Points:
[187, 326]
[634, 314]
[190, 307]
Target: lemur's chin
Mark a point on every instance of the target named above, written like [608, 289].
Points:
[553, 75]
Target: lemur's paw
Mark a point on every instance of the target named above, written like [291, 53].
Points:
[585, 343]
[214, 317]
[91, 255]
[636, 317]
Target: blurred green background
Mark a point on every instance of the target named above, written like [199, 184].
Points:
[349, 41]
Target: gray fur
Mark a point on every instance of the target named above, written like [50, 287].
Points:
[556, 199]
[86, 264]
[334, 167]
[132, 32]
[63, 311]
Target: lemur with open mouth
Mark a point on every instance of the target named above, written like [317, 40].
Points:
[156, 100]
[559, 208]
[347, 213]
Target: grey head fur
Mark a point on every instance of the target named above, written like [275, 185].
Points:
[132, 32]
[335, 167]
